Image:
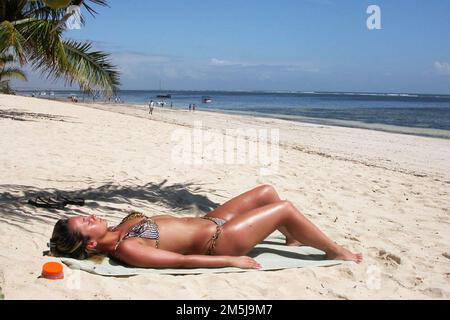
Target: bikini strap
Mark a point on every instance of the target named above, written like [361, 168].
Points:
[117, 244]
[132, 215]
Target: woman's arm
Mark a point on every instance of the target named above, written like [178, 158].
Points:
[135, 254]
[202, 261]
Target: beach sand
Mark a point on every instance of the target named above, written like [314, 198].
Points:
[383, 194]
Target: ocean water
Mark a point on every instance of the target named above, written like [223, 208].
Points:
[420, 114]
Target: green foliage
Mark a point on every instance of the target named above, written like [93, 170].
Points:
[7, 73]
[31, 32]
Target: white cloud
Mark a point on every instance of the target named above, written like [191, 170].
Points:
[218, 62]
[141, 70]
[442, 68]
[300, 68]
[281, 66]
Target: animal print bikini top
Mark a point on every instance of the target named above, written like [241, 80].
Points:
[146, 228]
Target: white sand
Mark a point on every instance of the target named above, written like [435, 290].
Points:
[385, 195]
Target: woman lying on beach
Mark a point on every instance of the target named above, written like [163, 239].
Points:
[222, 238]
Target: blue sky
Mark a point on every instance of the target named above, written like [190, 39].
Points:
[306, 45]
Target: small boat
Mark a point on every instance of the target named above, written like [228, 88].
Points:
[206, 99]
[164, 96]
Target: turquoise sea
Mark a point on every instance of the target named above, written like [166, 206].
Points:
[421, 114]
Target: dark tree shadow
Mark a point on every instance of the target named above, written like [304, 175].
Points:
[108, 200]
[293, 255]
[19, 115]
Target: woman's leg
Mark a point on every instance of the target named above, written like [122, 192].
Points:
[245, 231]
[255, 198]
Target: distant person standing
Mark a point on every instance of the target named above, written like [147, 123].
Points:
[193, 107]
[190, 107]
[171, 104]
[150, 107]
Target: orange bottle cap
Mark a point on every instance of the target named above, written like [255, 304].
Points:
[52, 271]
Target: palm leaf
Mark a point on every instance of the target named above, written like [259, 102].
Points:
[4, 86]
[12, 39]
[31, 32]
[38, 9]
[91, 69]
[9, 72]
[90, 9]
[11, 10]
[42, 41]
[13, 73]
[6, 58]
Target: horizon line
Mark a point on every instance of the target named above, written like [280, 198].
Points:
[252, 91]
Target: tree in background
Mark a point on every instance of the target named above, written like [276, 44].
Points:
[7, 73]
[32, 32]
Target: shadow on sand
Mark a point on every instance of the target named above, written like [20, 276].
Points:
[107, 200]
[292, 255]
[19, 115]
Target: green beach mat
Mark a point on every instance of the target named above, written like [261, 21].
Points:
[271, 254]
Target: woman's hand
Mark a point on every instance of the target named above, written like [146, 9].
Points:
[244, 262]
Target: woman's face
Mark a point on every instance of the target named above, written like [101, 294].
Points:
[89, 226]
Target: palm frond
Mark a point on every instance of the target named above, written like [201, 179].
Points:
[89, 8]
[12, 39]
[91, 69]
[15, 73]
[38, 9]
[6, 58]
[7, 73]
[42, 41]
[32, 32]
[4, 86]
[11, 10]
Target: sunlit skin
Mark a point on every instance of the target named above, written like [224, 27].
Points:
[251, 217]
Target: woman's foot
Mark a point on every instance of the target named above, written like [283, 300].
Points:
[344, 254]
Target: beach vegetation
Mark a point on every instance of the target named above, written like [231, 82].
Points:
[33, 33]
[8, 72]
